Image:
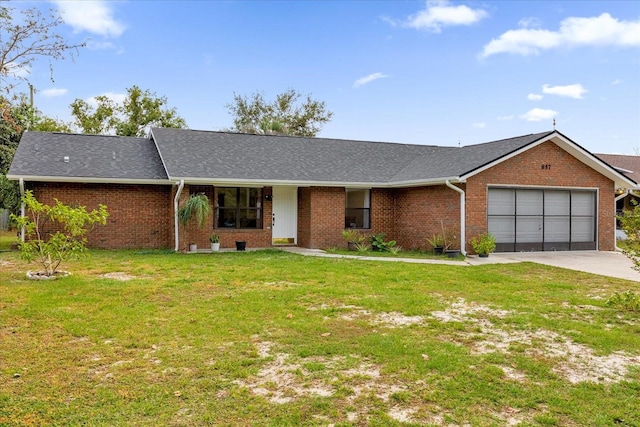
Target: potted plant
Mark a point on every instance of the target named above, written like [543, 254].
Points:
[353, 238]
[215, 242]
[437, 242]
[442, 241]
[483, 244]
[197, 206]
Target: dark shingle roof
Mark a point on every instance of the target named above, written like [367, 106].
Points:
[210, 156]
[42, 154]
[222, 155]
[627, 164]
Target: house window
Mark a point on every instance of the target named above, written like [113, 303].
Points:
[358, 208]
[239, 208]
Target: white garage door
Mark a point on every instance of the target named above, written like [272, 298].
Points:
[542, 220]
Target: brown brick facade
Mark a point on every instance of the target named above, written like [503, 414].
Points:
[421, 212]
[527, 169]
[254, 238]
[142, 216]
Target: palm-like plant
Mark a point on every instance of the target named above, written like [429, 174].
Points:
[196, 206]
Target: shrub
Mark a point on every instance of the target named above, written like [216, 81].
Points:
[483, 244]
[379, 244]
[66, 243]
[362, 247]
[352, 235]
[628, 300]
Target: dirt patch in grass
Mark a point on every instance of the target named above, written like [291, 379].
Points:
[118, 275]
[390, 320]
[395, 320]
[285, 378]
[572, 361]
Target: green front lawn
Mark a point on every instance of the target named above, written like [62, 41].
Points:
[272, 338]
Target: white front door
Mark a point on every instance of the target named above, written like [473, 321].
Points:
[284, 220]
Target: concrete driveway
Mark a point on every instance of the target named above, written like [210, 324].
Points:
[612, 264]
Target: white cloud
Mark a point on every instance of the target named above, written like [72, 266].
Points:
[534, 97]
[51, 93]
[94, 16]
[101, 45]
[538, 114]
[509, 117]
[603, 30]
[571, 91]
[616, 82]
[529, 23]
[368, 79]
[480, 125]
[439, 13]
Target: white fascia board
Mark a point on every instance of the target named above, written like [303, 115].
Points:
[272, 183]
[428, 182]
[88, 180]
[572, 148]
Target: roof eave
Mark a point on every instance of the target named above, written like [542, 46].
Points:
[302, 183]
[620, 180]
[88, 180]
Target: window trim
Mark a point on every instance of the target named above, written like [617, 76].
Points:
[238, 209]
[366, 211]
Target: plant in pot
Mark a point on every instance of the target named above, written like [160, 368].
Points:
[196, 207]
[483, 244]
[437, 242]
[354, 238]
[215, 242]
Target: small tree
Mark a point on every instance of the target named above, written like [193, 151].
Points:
[630, 223]
[68, 242]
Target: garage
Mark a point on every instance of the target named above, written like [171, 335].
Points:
[541, 219]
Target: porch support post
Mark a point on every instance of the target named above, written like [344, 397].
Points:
[22, 207]
[175, 215]
[463, 231]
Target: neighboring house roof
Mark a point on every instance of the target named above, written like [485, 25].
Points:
[626, 164]
[89, 158]
[236, 158]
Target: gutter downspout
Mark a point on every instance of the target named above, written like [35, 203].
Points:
[22, 207]
[615, 203]
[463, 231]
[175, 214]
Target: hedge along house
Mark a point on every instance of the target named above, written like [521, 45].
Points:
[536, 192]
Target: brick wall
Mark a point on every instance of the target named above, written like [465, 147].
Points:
[421, 212]
[526, 169]
[304, 217]
[255, 238]
[322, 213]
[139, 215]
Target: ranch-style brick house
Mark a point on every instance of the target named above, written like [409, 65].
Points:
[538, 192]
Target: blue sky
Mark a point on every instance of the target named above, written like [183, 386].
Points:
[421, 72]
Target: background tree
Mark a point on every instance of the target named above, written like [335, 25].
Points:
[27, 35]
[285, 115]
[138, 112]
[98, 120]
[16, 116]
